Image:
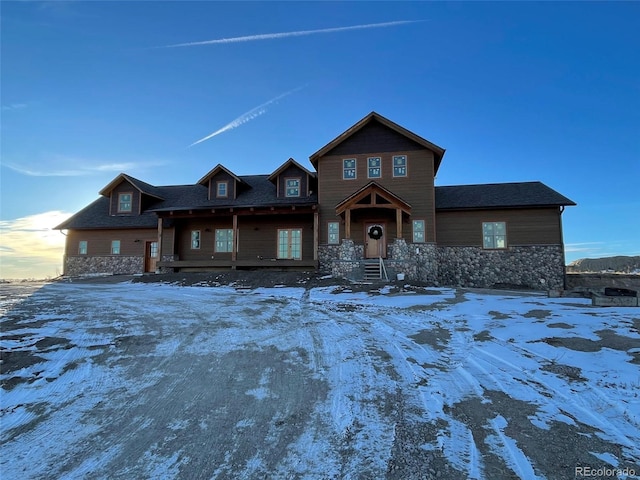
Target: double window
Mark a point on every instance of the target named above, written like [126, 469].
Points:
[494, 235]
[399, 165]
[195, 240]
[292, 186]
[418, 231]
[349, 168]
[124, 202]
[290, 244]
[375, 167]
[333, 232]
[224, 240]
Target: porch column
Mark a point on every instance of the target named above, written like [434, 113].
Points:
[159, 240]
[315, 235]
[234, 246]
[398, 223]
[347, 223]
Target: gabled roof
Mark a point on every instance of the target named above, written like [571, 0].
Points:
[215, 170]
[286, 165]
[143, 187]
[373, 116]
[375, 190]
[498, 195]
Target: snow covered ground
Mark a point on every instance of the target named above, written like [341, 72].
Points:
[128, 380]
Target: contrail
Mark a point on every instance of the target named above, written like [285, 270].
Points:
[246, 117]
[271, 36]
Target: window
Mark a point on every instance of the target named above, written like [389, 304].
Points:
[494, 235]
[349, 168]
[224, 240]
[222, 189]
[124, 202]
[418, 231]
[374, 164]
[82, 247]
[292, 187]
[115, 247]
[290, 244]
[400, 166]
[195, 240]
[334, 233]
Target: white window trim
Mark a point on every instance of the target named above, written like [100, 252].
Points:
[494, 235]
[286, 188]
[215, 240]
[226, 189]
[120, 210]
[355, 169]
[369, 167]
[199, 239]
[406, 166]
[329, 242]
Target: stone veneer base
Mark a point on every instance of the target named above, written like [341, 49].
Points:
[108, 264]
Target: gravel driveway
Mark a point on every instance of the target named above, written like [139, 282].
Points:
[127, 380]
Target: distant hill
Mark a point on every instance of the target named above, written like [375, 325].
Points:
[620, 264]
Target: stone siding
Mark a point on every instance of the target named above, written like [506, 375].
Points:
[538, 267]
[108, 264]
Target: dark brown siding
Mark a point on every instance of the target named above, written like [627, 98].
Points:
[125, 187]
[293, 172]
[99, 241]
[375, 137]
[416, 189]
[539, 226]
[222, 177]
[257, 236]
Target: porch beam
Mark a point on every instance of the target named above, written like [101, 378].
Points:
[160, 232]
[234, 246]
[347, 223]
[315, 235]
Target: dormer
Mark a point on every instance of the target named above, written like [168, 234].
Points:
[129, 196]
[222, 184]
[292, 180]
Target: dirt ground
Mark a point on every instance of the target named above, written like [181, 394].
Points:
[126, 377]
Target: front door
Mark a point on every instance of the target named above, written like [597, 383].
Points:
[374, 240]
[150, 256]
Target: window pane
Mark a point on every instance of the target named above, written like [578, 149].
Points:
[499, 228]
[488, 242]
[487, 228]
[195, 239]
[115, 247]
[500, 241]
[82, 247]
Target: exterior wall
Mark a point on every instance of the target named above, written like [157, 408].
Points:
[112, 264]
[99, 258]
[125, 187]
[533, 226]
[539, 267]
[257, 236]
[417, 189]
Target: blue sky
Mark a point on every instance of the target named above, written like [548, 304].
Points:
[514, 92]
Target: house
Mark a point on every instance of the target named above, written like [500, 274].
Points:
[369, 207]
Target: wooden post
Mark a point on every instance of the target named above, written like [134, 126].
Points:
[159, 259]
[398, 223]
[315, 235]
[347, 223]
[234, 246]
